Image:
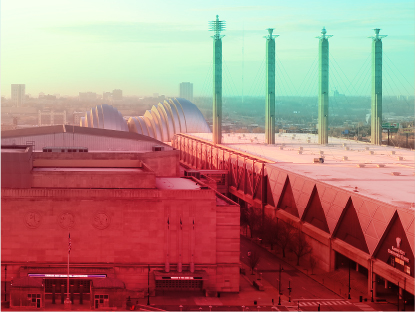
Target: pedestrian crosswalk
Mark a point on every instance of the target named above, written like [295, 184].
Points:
[364, 307]
[323, 302]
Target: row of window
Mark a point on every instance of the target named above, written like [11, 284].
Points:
[399, 264]
[33, 297]
[65, 150]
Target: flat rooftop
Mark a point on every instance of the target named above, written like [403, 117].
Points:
[173, 183]
[80, 169]
[383, 173]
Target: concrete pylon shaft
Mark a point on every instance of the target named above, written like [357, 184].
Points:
[270, 88]
[217, 91]
[323, 88]
[217, 26]
[376, 107]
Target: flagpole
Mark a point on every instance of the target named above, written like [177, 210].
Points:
[67, 300]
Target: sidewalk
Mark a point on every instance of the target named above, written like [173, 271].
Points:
[337, 281]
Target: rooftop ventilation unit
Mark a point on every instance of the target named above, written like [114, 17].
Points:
[158, 148]
[192, 173]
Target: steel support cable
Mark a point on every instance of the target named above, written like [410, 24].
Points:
[282, 82]
[365, 68]
[334, 63]
[288, 76]
[342, 82]
[364, 81]
[206, 84]
[232, 83]
[312, 89]
[260, 85]
[387, 99]
[308, 72]
[392, 71]
[396, 67]
[256, 77]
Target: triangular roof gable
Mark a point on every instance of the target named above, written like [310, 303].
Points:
[314, 213]
[286, 201]
[348, 228]
[393, 231]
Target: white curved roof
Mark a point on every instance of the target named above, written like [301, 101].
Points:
[161, 122]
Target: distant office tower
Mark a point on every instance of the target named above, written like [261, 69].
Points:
[323, 88]
[376, 120]
[117, 95]
[18, 94]
[186, 91]
[106, 96]
[86, 96]
[217, 27]
[270, 88]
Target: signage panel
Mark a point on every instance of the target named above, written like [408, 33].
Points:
[66, 275]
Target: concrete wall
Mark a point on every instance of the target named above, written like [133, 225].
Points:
[123, 229]
[163, 163]
[94, 179]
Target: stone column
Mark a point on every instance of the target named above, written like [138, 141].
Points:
[217, 26]
[270, 88]
[323, 88]
[376, 107]
[179, 265]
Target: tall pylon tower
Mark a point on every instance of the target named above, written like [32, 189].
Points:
[323, 87]
[270, 88]
[376, 115]
[217, 26]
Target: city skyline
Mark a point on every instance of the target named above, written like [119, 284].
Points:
[74, 47]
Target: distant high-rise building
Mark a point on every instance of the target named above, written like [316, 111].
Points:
[107, 96]
[117, 95]
[85, 96]
[186, 91]
[18, 94]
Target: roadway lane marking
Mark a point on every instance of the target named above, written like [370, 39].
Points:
[364, 307]
[325, 302]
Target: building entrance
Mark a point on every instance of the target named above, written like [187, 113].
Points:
[56, 290]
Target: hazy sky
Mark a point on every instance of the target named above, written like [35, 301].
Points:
[144, 47]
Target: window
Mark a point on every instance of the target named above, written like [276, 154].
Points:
[407, 269]
[401, 262]
[32, 297]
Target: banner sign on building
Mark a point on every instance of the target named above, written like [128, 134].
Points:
[66, 275]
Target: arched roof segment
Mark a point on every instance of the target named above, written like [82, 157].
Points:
[161, 122]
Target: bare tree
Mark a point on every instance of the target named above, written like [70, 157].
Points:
[285, 232]
[253, 219]
[270, 228]
[244, 218]
[313, 263]
[253, 260]
[300, 246]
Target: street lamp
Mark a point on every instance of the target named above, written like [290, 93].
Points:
[349, 281]
[398, 296]
[289, 291]
[148, 286]
[279, 285]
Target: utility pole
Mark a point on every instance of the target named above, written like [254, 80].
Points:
[279, 286]
[67, 303]
[349, 281]
[270, 88]
[217, 26]
[376, 109]
[323, 87]
[148, 286]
